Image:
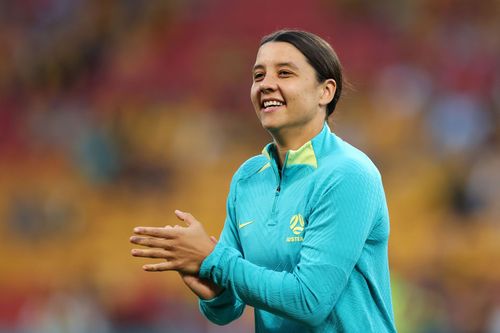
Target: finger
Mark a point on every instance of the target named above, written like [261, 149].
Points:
[179, 214]
[151, 253]
[166, 232]
[164, 266]
[151, 242]
[186, 217]
[183, 216]
[213, 239]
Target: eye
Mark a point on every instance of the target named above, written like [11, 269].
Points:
[257, 76]
[284, 73]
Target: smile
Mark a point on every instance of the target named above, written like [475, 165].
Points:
[271, 105]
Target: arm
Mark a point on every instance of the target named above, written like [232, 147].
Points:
[183, 249]
[226, 307]
[337, 231]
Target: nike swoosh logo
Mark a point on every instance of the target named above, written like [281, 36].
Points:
[242, 225]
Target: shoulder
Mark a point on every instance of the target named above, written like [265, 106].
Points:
[342, 160]
[346, 174]
[250, 167]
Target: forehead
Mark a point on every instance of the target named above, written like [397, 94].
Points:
[275, 53]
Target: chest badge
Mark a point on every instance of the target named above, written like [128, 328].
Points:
[297, 224]
[297, 227]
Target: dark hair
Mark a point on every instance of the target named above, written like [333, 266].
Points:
[318, 53]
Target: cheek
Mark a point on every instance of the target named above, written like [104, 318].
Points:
[296, 97]
[306, 96]
[254, 96]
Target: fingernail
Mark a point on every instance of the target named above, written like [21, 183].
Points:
[137, 229]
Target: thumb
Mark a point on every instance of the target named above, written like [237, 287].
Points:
[186, 217]
[213, 239]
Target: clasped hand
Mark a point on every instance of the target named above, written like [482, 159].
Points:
[182, 248]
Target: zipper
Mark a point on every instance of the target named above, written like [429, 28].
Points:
[274, 211]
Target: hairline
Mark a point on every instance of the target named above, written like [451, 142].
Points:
[318, 75]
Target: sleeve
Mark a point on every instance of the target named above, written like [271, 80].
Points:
[339, 225]
[226, 307]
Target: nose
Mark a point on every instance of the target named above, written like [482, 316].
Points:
[267, 85]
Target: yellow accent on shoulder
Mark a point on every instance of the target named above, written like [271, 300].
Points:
[267, 165]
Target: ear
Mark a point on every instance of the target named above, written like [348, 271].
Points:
[327, 92]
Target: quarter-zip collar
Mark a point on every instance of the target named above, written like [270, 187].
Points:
[306, 155]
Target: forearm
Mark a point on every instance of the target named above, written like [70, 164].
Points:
[300, 295]
[222, 309]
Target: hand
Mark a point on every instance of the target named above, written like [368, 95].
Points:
[183, 248]
[204, 289]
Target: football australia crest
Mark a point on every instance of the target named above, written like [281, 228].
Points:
[297, 227]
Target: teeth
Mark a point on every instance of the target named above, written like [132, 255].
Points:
[272, 103]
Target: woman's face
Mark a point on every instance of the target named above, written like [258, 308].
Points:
[285, 92]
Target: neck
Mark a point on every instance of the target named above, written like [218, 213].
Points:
[293, 139]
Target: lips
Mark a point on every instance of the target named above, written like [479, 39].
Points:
[269, 105]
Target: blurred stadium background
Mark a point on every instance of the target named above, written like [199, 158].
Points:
[114, 113]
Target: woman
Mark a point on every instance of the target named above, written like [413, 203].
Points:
[305, 238]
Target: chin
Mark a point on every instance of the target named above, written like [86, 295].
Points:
[274, 122]
[270, 127]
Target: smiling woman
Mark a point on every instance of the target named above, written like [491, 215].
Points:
[289, 99]
[307, 227]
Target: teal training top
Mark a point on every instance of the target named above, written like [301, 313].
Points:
[305, 246]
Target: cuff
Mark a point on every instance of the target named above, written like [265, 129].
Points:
[210, 263]
[225, 297]
[215, 267]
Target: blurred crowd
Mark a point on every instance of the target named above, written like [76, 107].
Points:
[114, 113]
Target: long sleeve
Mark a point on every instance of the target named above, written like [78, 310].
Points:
[226, 307]
[338, 228]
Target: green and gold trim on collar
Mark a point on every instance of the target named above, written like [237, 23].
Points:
[265, 152]
[303, 156]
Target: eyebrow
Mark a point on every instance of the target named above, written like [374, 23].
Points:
[281, 64]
